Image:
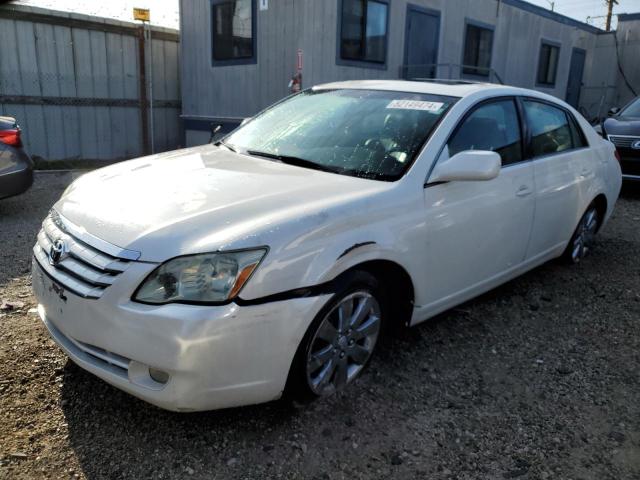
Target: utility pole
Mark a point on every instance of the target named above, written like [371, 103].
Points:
[610, 4]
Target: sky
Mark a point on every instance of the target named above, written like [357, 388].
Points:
[165, 12]
[596, 9]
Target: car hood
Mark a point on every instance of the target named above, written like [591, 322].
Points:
[622, 126]
[201, 199]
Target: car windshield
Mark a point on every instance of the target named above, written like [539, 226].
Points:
[632, 110]
[363, 133]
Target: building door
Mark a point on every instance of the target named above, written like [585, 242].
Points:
[574, 84]
[421, 43]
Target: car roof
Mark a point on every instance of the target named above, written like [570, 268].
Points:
[451, 88]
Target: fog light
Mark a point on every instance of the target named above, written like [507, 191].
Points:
[158, 375]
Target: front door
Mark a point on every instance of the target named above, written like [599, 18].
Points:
[478, 231]
[574, 84]
[421, 43]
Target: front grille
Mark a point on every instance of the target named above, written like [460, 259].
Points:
[83, 269]
[623, 141]
[103, 356]
[100, 357]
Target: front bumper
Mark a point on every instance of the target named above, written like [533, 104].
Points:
[216, 357]
[630, 165]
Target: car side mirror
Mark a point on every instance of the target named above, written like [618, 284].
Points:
[470, 165]
[613, 111]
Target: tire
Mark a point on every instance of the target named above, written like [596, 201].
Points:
[583, 237]
[333, 354]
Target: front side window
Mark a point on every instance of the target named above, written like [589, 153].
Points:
[477, 50]
[550, 130]
[363, 33]
[233, 30]
[364, 133]
[493, 126]
[548, 64]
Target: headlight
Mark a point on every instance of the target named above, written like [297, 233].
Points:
[202, 278]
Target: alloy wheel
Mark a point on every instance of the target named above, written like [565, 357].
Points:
[585, 235]
[343, 343]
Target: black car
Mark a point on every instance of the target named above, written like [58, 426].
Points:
[622, 128]
[16, 167]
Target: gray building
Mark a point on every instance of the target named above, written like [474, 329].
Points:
[239, 56]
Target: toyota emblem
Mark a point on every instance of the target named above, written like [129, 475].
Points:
[636, 145]
[57, 252]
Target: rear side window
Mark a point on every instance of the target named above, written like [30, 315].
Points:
[492, 126]
[550, 131]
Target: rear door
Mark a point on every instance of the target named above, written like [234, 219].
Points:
[478, 231]
[562, 170]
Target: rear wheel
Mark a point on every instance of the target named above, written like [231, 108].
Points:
[584, 236]
[340, 340]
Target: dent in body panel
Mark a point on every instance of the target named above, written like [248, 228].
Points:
[355, 246]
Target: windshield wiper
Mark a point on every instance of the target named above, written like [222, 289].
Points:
[226, 145]
[371, 175]
[298, 162]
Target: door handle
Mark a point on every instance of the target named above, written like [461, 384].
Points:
[523, 191]
[585, 172]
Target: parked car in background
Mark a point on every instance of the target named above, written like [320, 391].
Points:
[16, 167]
[272, 261]
[622, 128]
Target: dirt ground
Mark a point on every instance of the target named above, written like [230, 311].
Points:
[539, 379]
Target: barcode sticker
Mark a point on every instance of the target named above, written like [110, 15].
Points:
[416, 105]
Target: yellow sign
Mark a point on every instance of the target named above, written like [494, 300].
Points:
[141, 14]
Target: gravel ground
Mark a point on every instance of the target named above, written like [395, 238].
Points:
[537, 379]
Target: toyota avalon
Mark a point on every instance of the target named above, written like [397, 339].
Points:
[273, 261]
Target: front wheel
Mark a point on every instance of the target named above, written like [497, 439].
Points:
[340, 340]
[584, 236]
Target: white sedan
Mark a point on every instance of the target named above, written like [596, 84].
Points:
[273, 261]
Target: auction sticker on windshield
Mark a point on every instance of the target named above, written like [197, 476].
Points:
[416, 105]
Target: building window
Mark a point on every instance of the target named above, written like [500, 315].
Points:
[477, 50]
[233, 31]
[548, 64]
[363, 33]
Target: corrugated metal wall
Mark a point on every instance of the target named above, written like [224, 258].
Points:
[73, 82]
[312, 25]
[235, 91]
